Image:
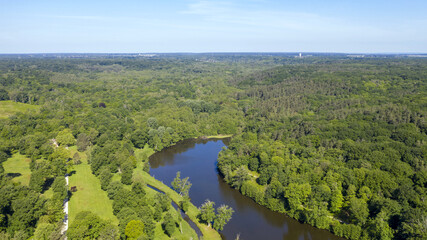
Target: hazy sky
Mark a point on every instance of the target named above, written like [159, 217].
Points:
[41, 26]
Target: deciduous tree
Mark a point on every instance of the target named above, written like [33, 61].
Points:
[224, 214]
[207, 212]
[134, 229]
[181, 186]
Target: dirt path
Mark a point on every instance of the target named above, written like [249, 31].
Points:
[65, 227]
[65, 204]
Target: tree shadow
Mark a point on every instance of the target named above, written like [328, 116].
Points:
[69, 194]
[47, 184]
[13, 175]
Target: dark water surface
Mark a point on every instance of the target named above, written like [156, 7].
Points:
[197, 159]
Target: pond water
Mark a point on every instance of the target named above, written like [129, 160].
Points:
[196, 158]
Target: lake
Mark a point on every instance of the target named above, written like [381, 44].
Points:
[196, 158]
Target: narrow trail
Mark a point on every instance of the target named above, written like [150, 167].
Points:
[65, 226]
[65, 204]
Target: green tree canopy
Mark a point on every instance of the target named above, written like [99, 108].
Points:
[134, 229]
[182, 186]
[223, 216]
[65, 138]
[207, 212]
[86, 225]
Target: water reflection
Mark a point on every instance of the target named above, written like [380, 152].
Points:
[196, 159]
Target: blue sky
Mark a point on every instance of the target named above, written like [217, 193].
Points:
[69, 26]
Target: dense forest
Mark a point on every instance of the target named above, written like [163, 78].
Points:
[340, 145]
[333, 141]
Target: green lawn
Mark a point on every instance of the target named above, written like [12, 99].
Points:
[19, 164]
[9, 108]
[219, 136]
[89, 195]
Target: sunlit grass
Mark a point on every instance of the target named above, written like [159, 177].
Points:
[9, 108]
[18, 165]
[89, 195]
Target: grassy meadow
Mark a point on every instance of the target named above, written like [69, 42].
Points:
[89, 195]
[18, 164]
[9, 108]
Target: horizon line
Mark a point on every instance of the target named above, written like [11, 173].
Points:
[219, 52]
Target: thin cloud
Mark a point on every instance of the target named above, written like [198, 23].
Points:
[304, 23]
[208, 8]
[76, 17]
[231, 13]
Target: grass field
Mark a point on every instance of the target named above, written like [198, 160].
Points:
[220, 136]
[89, 195]
[18, 164]
[9, 108]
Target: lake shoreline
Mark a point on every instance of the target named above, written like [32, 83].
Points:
[202, 155]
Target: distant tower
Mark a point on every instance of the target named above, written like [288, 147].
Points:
[300, 55]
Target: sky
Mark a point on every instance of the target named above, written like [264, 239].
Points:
[140, 26]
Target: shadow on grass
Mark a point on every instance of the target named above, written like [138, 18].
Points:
[72, 173]
[47, 184]
[14, 175]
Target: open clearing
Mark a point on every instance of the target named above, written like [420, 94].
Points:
[18, 165]
[9, 108]
[89, 195]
